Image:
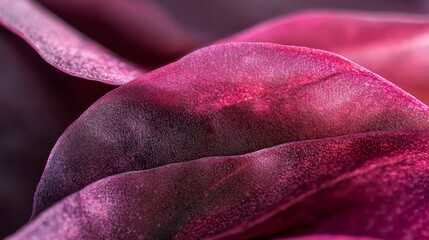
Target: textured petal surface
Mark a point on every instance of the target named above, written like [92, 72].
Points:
[62, 46]
[137, 30]
[223, 100]
[395, 46]
[376, 182]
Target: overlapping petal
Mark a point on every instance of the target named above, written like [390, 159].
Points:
[394, 45]
[62, 46]
[370, 184]
[223, 100]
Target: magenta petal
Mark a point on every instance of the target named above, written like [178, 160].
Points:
[395, 46]
[378, 180]
[62, 46]
[223, 100]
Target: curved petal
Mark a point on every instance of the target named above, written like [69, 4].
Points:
[379, 181]
[395, 46]
[137, 30]
[387, 201]
[223, 100]
[62, 46]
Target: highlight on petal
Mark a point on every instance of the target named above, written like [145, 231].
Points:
[137, 30]
[223, 100]
[395, 46]
[62, 46]
[368, 184]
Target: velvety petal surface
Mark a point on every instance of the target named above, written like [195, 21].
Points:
[223, 100]
[62, 46]
[137, 30]
[369, 184]
[394, 45]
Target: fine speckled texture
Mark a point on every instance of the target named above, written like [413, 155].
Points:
[223, 100]
[370, 184]
[393, 45]
[62, 46]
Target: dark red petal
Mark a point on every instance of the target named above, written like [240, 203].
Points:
[378, 180]
[223, 100]
[137, 30]
[62, 46]
[395, 46]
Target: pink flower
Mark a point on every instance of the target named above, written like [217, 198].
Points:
[246, 138]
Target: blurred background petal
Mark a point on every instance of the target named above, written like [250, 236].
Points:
[393, 45]
[211, 20]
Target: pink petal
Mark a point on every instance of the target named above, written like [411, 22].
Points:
[137, 30]
[223, 100]
[377, 182]
[62, 46]
[395, 46]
